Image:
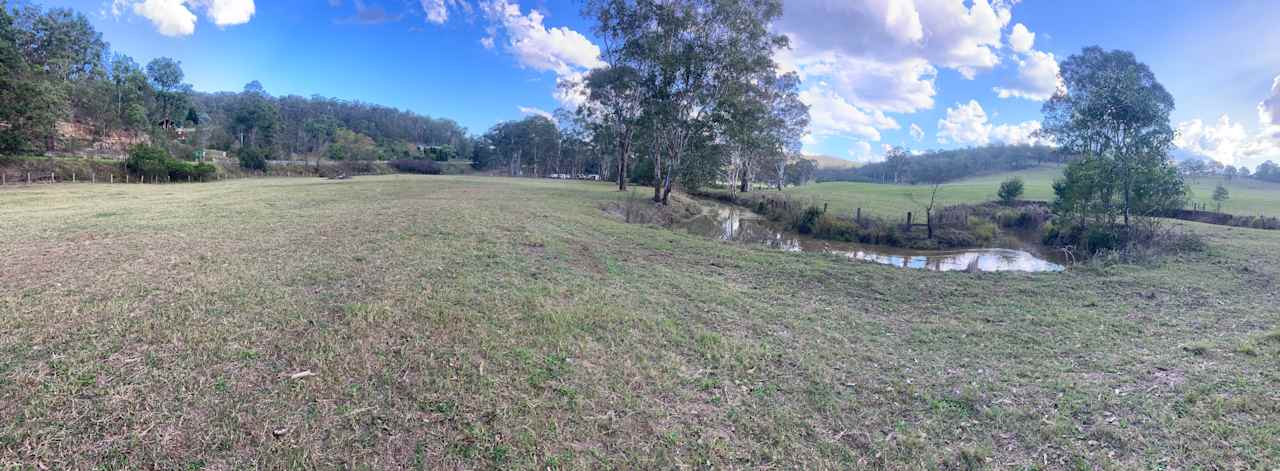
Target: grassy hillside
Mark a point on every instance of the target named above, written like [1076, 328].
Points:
[468, 322]
[895, 200]
[1248, 196]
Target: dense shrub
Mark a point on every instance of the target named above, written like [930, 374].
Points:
[808, 220]
[253, 158]
[427, 167]
[1010, 190]
[155, 162]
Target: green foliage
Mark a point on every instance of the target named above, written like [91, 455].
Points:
[1220, 195]
[155, 162]
[443, 153]
[1010, 190]
[801, 171]
[1115, 115]
[426, 167]
[253, 158]
[350, 145]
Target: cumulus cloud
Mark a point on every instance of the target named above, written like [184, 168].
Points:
[229, 12]
[558, 49]
[944, 32]
[830, 114]
[170, 17]
[916, 132]
[967, 124]
[1021, 39]
[176, 18]
[1226, 142]
[964, 124]
[1021, 133]
[883, 56]
[905, 86]
[1037, 78]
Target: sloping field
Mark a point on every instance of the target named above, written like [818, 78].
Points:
[1249, 197]
[445, 322]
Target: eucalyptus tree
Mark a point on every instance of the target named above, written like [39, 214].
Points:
[615, 101]
[1114, 114]
[685, 57]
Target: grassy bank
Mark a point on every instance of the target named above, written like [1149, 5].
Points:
[477, 322]
[1248, 197]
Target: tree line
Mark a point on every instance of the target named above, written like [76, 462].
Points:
[55, 69]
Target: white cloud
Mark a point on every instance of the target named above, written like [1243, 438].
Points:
[571, 90]
[170, 17]
[558, 49]
[532, 110]
[883, 56]
[965, 124]
[1021, 39]
[437, 11]
[905, 86]
[175, 17]
[1017, 134]
[944, 32]
[916, 132]
[1037, 78]
[1226, 142]
[229, 12]
[861, 152]
[1269, 109]
[830, 114]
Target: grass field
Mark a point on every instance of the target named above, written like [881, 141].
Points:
[1248, 197]
[487, 322]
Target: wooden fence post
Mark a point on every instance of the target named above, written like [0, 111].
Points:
[73, 176]
[929, 222]
[908, 221]
[113, 178]
[28, 178]
[858, 218]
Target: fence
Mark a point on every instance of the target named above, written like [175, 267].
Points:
[44, 178]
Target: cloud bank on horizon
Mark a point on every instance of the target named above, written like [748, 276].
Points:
[868, 67]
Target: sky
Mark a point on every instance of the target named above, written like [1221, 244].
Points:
[922, 74]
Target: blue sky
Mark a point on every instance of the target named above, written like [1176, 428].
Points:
[872, 69]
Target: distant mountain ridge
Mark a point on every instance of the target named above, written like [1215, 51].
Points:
[827, 161]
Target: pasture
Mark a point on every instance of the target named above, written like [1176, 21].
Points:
[443, 322]
[1249, 197]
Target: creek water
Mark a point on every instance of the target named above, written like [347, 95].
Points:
[730, 223]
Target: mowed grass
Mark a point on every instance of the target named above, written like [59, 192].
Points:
[487, 322]
[1249, 197]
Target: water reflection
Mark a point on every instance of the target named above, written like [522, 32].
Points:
[739, 225]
